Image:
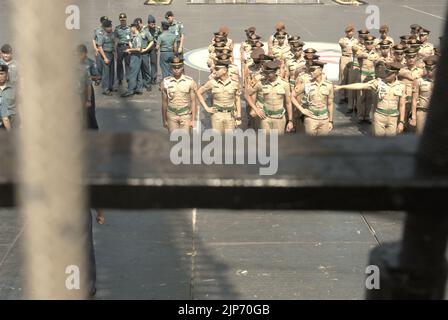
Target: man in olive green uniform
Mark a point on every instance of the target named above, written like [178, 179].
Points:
[276, 94]
[422, 91]
[226, 109]
[122, 34]
[317, 103]
[178, 98]
[388, 118]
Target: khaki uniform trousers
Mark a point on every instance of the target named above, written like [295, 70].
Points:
[421, 120]
[314, 127]
[366, 100]
[354, 76]
[178, 122]
[278, 124]
[384, 125]
[222, 121]
[344, 69]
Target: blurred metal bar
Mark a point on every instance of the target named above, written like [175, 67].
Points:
[50, 193]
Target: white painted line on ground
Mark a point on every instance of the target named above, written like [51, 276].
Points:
[11, 246]
[424, 12]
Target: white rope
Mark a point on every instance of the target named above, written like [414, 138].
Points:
[50, 151]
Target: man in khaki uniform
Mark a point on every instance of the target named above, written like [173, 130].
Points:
[279, 27]
[388, 118]
[398, 54]
[422, 91]
[426, 49]
[295, 64]
[385, 57]
[317, 103]
[384, 36]
[407, 76]
[178, 98]
[346, 43]
[226, 109]
[369, 58]
[415, 30]
[276, 94]
[281, 49]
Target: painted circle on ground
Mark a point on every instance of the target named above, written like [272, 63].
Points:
[328, 52]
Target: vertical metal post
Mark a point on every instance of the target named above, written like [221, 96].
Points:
[51, 196]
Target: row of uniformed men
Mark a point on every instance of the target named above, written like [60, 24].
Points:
[135, 49]
[364, 60]
[8, 84]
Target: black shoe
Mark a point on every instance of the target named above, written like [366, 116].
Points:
[368, 121]
[149, 88]
[360, 121]
[127, 94]
[349, 111]
[138, 93]
[107, 93]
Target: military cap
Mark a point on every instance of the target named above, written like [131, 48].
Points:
[151, 19]
[138, 20]
[224, 50]
[6, 48]
[399, 48]
[411, 52]
[255, 37]
[393, 66]
[415, 26]
[224, 30]
[349, 29]
[437, 52]
[385, 44]
[407, 37]
[414, 43]
[424, 31]
[103, 18]
[122, 16]
[280, 26]
[298, 44]
[293, 39]
[384, 28]
[3, 68]
[363, 32]
[219, 44]
[250, 30]
[257, 53]
[107, 24]
[317, 64]
[310, 50]
[223, 56]
[220, 38]
[272, 65]
[280, 35]
[431, 62]
[369, 39]
[176, 61]
[169, 14]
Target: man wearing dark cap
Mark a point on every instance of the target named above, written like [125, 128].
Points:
[246, 47]
[168, 48]
[398, 53]
[421, 94]
[385, 57]
[226, 109]
[389, 115]
[408, 74]
[177, 29]
[279, 27]
[122, 34]
[8, 112]
[369, 58]
[155, 32]
[317, 104]
[135, 85]
[415, 30]
[178, 98]
[295, 65]
[6, 57]
[96, 33]
[105, 44]
[276, 97]
[346, 43]
[281, 48]
[426, 49]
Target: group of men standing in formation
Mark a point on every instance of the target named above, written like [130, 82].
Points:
[285, 87]
[132, 50]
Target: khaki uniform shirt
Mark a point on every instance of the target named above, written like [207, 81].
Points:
[280, 53]
[316, 96]
[424, 88]
[368, 62]
[293, 66]
[347, 46]
[426, 50]
[273, 93]
[223, 92]
[389, 95]
[178, 91]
